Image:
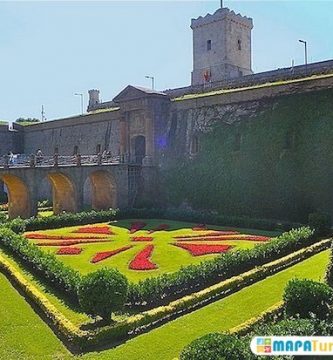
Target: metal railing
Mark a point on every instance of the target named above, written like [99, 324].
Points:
[26, 161]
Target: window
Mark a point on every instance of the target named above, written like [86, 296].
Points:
[56, 150]
[98, 148]
[209, 45]
[239, 43]
[76, 150]
[195, 145]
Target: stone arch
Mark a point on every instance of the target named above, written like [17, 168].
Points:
[19, 199]
[64, 193]
[103, 190]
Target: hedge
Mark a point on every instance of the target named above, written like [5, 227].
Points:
[64, 278]
[69, 219]
[195, 277]
[165, 287]
[200, 348]
[140, 322]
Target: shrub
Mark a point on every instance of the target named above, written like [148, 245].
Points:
[216, 347]
[103, 292]
[62, 277]
[306, 297]
[3, 218]
[321, 223]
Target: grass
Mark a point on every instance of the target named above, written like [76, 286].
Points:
[251, 87]
[169, 258]
[23, 335]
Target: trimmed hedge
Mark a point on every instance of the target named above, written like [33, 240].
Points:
[305, 298]
[195, 277]
[69, 219]
[214, 346]
[55, 272]
[136, 323]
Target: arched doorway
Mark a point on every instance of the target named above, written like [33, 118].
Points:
[103, 190]
[139, 147]
[64, 193]
[19, 204]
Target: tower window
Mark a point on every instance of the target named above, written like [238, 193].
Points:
[239, 44]
[76, 150]
[98, 148]
[209, 45]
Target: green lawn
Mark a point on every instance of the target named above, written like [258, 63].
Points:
[166, 256]
[23, 335]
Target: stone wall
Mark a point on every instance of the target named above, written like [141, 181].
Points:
[254, 154]
[87, 133]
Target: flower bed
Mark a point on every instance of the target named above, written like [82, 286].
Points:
[65, 242]
[199, 227]
[94, 230]
[141, 261]
[69, 251]
[215, 233]
[199, 249]
[136, 226]
[142, 238]
[37, 236]
[100, 256]
[160, 227]
[226, 237]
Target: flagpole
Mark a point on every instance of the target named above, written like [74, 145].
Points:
[221, 1]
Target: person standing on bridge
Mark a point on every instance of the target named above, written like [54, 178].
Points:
[39, 156]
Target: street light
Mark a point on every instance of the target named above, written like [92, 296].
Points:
[152, 81]
[79, 94]
[305, 53]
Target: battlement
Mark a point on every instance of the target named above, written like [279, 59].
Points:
[219, 15]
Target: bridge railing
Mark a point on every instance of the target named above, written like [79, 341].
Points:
[23, 161]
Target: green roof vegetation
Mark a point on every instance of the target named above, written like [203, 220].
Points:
[252, 87]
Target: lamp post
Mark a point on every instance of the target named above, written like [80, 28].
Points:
[79, 94]
[152, 81]
[305, 53]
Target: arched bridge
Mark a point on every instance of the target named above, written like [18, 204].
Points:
[110, 182]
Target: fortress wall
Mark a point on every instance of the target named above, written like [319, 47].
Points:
[86, 132]
[265, 153]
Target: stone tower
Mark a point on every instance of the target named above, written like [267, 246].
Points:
[221, 46]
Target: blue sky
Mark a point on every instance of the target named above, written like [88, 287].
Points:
[50, 50]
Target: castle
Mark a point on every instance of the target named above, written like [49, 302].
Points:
[232, 141]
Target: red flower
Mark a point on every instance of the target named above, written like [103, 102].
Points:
[203, 249]
[212, 234]
[199, 227]
[69, 251]
[137, 226]
[66, 242]
[37, 236]
[106, 254]
[160, 227]
[94, 230]
[142, 238]
[224, 238]
[141, 261]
